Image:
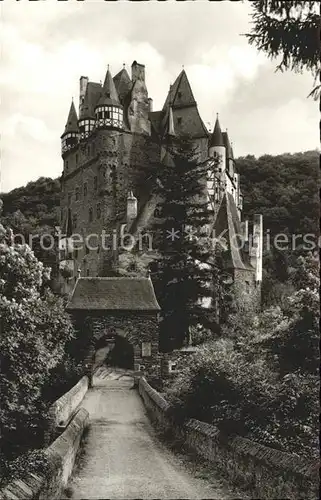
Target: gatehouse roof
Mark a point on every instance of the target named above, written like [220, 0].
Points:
[113, 294]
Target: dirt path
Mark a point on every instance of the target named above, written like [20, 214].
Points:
[122, 456]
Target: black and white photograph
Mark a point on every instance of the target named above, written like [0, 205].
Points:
[159, 249]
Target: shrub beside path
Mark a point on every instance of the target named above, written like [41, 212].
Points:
[122, 457]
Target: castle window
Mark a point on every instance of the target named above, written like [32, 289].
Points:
[85, 189]
[76, 253]
[76, 158]
[66, 165]
[87, 272]
[77, 193]
[179, 94]
[90, 215]
[88, 151]
[69, 198]
[95, 183]
[179, 120]
[74, 221]
[98, 210]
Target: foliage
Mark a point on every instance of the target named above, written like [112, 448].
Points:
[284, 189]
[34, 210]
[260, 380]
[290, 30]
[34, 331]
[184, 271]
[35, 462]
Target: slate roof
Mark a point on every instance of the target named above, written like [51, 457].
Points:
[228, 224]
[217, 136]
[109, 94]
[72, 120]
[186, 118]
[93, 92]
[113, 294]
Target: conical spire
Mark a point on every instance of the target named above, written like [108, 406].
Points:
[217, 136]
[72, 120]
[109, 93]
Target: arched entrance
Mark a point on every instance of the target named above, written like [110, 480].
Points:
[113, 349]
[122, 354]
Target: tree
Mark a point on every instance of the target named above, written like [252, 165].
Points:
[34, 331]
[290, 30]
[185, 268]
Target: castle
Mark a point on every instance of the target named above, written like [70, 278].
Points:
[114, 133]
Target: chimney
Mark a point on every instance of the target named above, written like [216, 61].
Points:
[131, 206]
[256, 254]
[138, 72]
[245, 230]
[83, 82]
[150, 101]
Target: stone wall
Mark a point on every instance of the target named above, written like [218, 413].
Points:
[260, 471]
[63, 409]
[140, 329]
[61, 456]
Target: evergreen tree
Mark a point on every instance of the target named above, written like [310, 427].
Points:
[290, 30]
[185, 273]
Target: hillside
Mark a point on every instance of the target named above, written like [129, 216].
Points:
[283, 188]
[34, 210]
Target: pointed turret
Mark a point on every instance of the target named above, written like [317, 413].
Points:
[72, 120]
[217, 149]
[109, 111]
[70, 137]
[217, 136]
[109, 94]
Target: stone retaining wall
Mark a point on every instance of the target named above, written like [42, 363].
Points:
[64, 408]
[61, 454]
[261, 471]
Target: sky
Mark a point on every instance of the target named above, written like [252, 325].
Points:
[47, 45]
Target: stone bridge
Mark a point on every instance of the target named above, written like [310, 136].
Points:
[122, 456]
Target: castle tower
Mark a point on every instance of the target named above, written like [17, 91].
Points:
[109, 111]
[70, 137]
[217, 147]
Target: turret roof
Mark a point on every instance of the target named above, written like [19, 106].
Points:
[72, 120]
[109, 94]
[217, 136]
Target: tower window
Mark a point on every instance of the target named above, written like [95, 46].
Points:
[66, 165]
[90, 215]
[85, 189]
[87, 272]
[95, 183]
[77, 192]
[179, 94]
[69, 198]
[74, 221]
[179, 120]
[76, 159]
